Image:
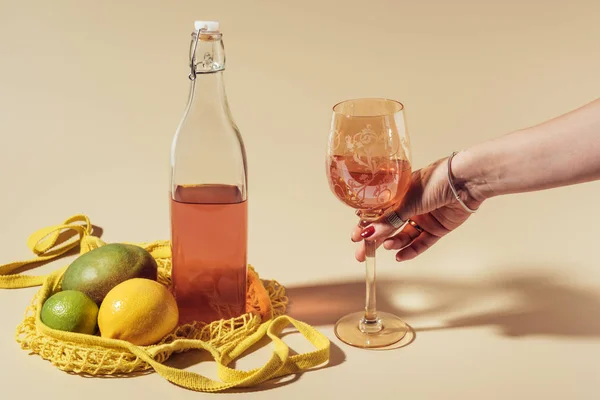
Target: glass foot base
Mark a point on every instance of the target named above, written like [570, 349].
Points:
[393, 330]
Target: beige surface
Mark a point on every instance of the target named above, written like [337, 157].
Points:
[507, 307]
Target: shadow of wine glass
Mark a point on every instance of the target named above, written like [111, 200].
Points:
[525, 304]
[543, 306]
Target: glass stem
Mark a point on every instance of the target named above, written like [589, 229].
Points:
[370, 323]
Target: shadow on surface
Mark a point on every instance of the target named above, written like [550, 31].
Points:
[190, 358]
[410, 337]
[97, 231]
[518, 304]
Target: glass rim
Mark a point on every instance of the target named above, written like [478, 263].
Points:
[398, 104]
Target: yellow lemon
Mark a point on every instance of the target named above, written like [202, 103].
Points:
[138, 310]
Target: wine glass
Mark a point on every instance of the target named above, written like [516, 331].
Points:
[369, 169]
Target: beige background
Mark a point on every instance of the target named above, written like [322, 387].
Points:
[507, 307]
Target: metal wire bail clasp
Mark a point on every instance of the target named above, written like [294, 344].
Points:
[193, 46]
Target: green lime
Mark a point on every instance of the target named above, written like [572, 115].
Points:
[71, 311]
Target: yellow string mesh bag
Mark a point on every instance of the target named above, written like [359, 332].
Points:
[225, 340]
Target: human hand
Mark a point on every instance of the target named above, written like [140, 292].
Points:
[430, 203]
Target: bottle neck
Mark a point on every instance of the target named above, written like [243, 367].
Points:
[207, 54]
[207, 93]
[207, 63]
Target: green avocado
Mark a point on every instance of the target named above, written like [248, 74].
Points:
[96, 272]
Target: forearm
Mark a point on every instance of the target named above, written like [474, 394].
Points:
[560, 152]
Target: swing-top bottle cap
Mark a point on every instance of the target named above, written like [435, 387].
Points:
[210, 26]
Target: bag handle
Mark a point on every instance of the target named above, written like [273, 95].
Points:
[280, 363]
[47, 243]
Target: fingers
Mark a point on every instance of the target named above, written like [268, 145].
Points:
[355, 235]
[360, 251]
[381, 233]
[373, 231]
[398, 242]
[410, 245]
[419, 245]
[376, 231]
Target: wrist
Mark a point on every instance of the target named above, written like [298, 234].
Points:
[470, 179]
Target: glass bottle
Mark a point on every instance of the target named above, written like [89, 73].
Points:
[209, 214]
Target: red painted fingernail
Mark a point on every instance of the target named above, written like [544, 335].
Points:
[368, 232]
